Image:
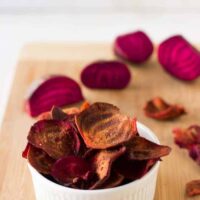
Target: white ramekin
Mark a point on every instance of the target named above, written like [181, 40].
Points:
[141, 189]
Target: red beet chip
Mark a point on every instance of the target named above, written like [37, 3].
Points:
[133, 169]
[140, 148]
[102, 126]
[58, 114]
[194, 152]
[135, 47]
[158, 109]
[53, 91]
[106, 75]
[56, 138]
[68, 169]
[102, 164]
[193, 188]
[178, 57]
[25, 152]
[40, 160]
[185, 138]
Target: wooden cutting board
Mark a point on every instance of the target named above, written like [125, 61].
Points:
[148, 80]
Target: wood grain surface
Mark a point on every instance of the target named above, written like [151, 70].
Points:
[148, 80]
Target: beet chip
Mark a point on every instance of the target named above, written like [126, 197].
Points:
[102, 164]
[133, 169]
[40, 160]
[185, 138]
[194, 153]
[56, 138]
[158, 109]
[103, 126]
[140, 148]
[55, 90]
[106, 75]
[69, 169]
[193, 188]
[58, 114]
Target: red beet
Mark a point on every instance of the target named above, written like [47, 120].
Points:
[69, 168]
[178, 57]
[53, 91]
[194, 153]
[106, 75]
[135, 47]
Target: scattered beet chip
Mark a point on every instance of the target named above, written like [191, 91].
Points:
[40, 160]
[53, 91]
[25, 152]
[102, 164]
[106, 75]
[158, 109]
[140, 148]
[133, 169]
[193, 188]
[58, 114]
[57, 138]
[194, 152]
[103, 126]
[66, 170]
[135, 47]
[185, 138]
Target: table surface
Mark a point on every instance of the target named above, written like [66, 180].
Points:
[18, 30]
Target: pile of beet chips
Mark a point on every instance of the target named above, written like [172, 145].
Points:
[92, 147]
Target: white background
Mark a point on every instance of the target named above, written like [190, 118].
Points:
[23, 21]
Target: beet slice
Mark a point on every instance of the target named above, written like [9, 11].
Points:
[58, 114]
[54, 91]
[102, 163]
[179, 58]
[57, 138]
[106, 75]
[158, 109]
[133, 169]
[193, 188]
[103, 126]
[40, 160]
[194, 152]
[185, 138]
[67, 170]
[135, 47]
[25, 152]
[140, 148]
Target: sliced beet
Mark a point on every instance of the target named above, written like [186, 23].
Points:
[67, 170]
[194, 152]
[179, 58]
[58, 114]
[193, 188]
[40, 160]
[106, 75]
[133, 169]
[185, 138]
[102, 126]
[57, 138]
[140, 148]
[53, 91]
[25, 152]
[158, 109]
[102, 163]
[135, 47]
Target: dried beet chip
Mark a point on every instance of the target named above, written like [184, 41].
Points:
[58, 114]
[103, 126]
[193, 188]
[185, 138]
[158, 109]
[25, 152]
[40, 160]
[114, 180]
[66, 170]
[55, 90]
[194, 152]
[106, 75]
[133, 169]
[57, 138]
[140, 148]
[102, 163]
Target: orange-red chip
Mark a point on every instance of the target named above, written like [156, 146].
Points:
[103, 126]
[193, 188]
[157, 108]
